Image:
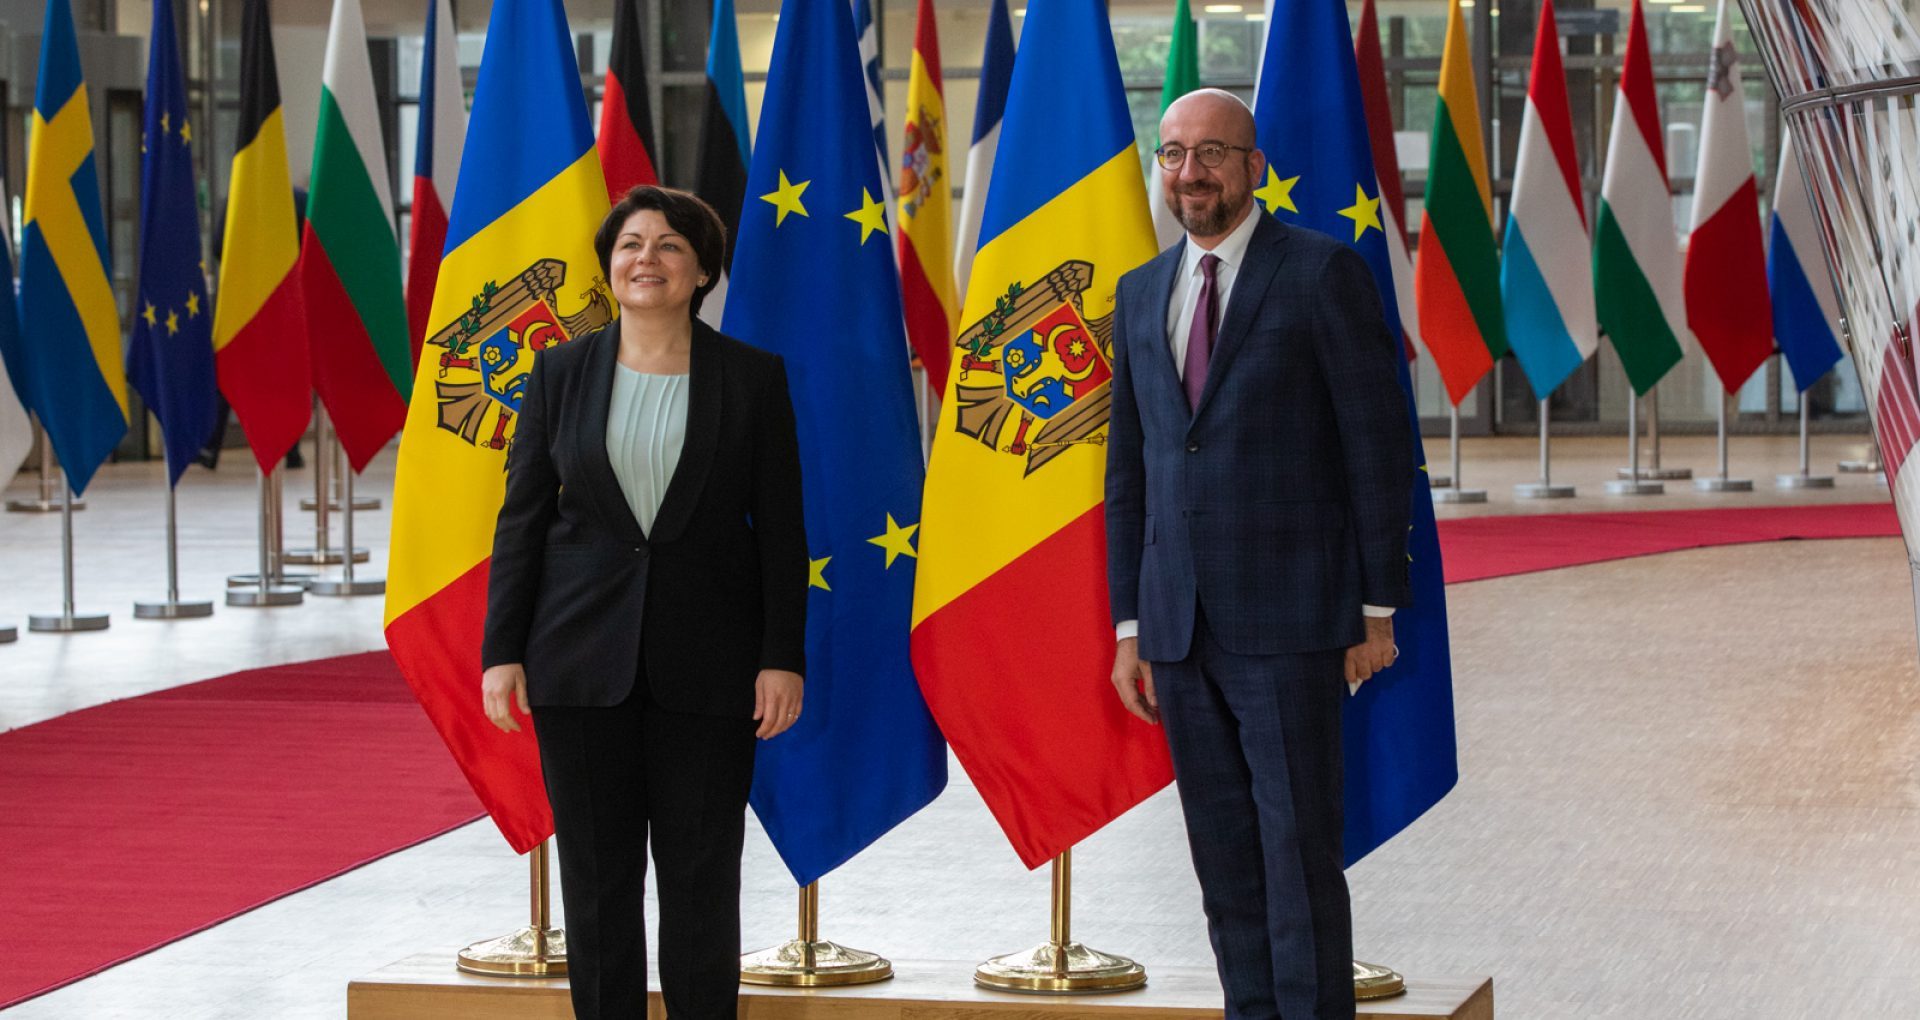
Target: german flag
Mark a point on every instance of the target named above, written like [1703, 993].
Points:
[626, 120]
[259, 332]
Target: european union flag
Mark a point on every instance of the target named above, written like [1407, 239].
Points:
[171, 359]
[814, 281]
[1312, 125]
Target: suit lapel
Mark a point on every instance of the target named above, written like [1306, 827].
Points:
[602, 485]
[1264, 255]
[1163, 277]
[704, 381]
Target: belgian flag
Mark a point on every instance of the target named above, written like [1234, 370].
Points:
[259, 329]
[626, 119]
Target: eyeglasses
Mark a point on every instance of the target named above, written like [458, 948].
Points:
[1210, 154]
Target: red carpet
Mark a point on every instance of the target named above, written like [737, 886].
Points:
[139, 822]
[136, 823]
[1477, 548]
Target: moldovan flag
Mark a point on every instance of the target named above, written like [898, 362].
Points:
[723, 143]
[259, 324]
[1182, 77]
[626, 119]
[436, 164]
[1457, 277]
[519, 275]
[1546, 284]
[1012, 635]
[350, 255]
[67, 311]
[1806, 312]
[1386, 166]
[1726, 273]
[996, 73]
[926, 207]
[1636, 260]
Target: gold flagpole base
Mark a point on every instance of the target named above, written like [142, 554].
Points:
[1372, 981]
[799, 964]
[525, 953]
[1054, 968]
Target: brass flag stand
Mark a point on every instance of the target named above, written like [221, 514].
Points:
[1372, 981]
[807, 962]
[536, 951]
[1061, 966]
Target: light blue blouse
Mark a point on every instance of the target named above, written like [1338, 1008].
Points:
[646, 427]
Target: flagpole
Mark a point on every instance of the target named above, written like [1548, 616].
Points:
[308, 503]
[327, 472]
[1654, 471]
[535, 951]
[68, 621]
[1544, 488]
[1061, 965]
[347, 585]
[1722, 483]
[172, 608]
[1804, 478]
[1632, 482]
[262, 588]
[807, 962]
[1453, 493]
[46, 504]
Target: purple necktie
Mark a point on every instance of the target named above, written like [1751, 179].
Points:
[1200, 334]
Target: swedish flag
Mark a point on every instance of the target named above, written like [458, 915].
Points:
[814, 280]
[73, 357]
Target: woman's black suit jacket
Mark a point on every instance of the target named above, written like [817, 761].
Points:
[577, 593]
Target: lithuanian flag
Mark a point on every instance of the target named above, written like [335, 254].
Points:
[1456, 278]
[259, 329]
[926, 207]
[1012, 636]
[519, 275]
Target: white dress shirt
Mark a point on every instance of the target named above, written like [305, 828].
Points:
[1232, 253]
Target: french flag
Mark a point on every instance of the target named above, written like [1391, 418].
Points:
[436, 165]
[1806, 312]
[996, 76]
[1546, 282]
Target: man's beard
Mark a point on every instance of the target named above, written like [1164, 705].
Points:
[1213, 217]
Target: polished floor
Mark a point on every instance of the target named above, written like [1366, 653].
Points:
[1690, 783]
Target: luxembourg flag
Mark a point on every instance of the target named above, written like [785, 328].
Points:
[436, 164]
[1546, 282]
[1726, 272]
[1806, 312]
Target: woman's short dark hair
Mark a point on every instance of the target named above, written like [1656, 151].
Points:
[685, 212]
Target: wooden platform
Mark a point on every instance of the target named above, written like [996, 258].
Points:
[428, 986]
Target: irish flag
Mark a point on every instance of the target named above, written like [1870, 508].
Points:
[1636, 261]
[350, 256]
[1456, 280]
[1726, 274]
[1546, 285]
[926, 208]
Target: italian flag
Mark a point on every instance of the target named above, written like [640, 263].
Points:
[1636, 260]
[1726, 274]
[350, 255]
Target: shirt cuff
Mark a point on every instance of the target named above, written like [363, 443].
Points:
[1377, 612]
[1126, 629]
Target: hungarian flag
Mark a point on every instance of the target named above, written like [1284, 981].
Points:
[723, 143]
[1456, 280]
[1726, 271]
[436, 164]
[1182, 77]
[926, 207]
[626, 119]
[996, 73]
[1545, 282]
[1386, 166]
[259, 324]
[518, 277]
[1636, 259]
[350, 256]
[1012, 633]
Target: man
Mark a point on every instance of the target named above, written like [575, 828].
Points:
[1258, 466]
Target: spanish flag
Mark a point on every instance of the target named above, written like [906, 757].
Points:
[1012, 638]
[259, 325]
[519, 275]
[926, 206]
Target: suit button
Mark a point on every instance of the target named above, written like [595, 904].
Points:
[638, 549]
[1193, 447]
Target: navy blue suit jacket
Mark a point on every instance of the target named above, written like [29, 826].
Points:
[1281, 503]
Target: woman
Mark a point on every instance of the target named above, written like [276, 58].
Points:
[646, 606]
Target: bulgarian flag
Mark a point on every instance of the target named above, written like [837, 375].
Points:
[350, 256]
[1386, 166]
[436, 164]
[1726, 275]
[926, 208]
[1457, 278]
[1636, 261]
[626, 120]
